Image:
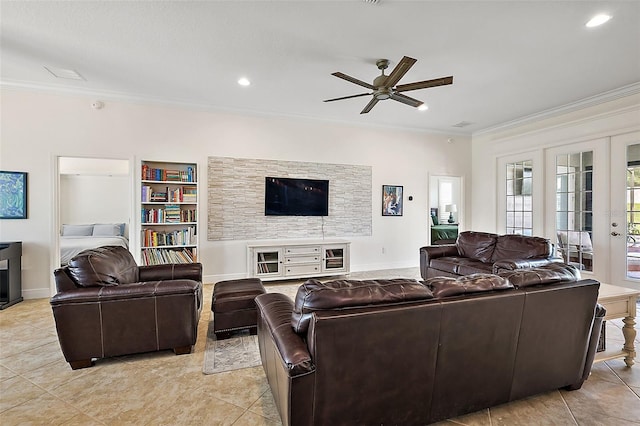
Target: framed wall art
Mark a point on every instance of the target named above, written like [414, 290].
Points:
[13, 195]
[391, 200]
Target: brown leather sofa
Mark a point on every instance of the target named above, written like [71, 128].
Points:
[107, 306]
[407, 352]
[483, 252]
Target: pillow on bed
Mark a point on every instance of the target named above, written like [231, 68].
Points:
[77, 230]
[107, 230]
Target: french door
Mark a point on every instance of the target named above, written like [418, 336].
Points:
[593, 206]
[624, 226]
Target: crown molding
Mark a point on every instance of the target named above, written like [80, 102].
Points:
[142, 99]
[611, 95]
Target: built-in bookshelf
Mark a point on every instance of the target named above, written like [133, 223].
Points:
[168, 212]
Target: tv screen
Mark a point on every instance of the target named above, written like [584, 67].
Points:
[296, 197]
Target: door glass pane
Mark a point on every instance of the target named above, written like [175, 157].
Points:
[574, 224]
[519, 186]
[633, 211]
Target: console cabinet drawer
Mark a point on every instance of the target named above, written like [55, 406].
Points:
[302, 250]
[302, 269]
[302, 259]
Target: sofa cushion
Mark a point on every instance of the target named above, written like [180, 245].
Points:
[459, 265]
[476, 245]
[474, 283]
[103, 266]
[521, 247]
[547, 274]
[314, 295]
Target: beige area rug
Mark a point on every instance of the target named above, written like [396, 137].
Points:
[239, 351]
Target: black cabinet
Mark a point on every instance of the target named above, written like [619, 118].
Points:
[10, 274]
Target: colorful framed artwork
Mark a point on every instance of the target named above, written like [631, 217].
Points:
[391, 200]
[13, 195]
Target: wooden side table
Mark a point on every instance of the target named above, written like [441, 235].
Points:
[620, 302]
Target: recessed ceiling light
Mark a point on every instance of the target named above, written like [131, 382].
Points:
[244, 81]
[598, 20]
[423, 107]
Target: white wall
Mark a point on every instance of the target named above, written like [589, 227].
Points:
[38, 127]
[94, 199]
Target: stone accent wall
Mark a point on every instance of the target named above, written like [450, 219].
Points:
[235, 191]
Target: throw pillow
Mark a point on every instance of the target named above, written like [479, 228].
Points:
[77, 230]
[434, 219]
[106, 230]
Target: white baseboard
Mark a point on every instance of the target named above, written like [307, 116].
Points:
[210, 279]
[36, 293]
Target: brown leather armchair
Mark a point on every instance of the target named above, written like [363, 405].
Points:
[106, 305]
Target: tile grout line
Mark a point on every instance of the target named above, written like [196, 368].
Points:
[564, 401]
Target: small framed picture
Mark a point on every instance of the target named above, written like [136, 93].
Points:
[391, 200]
[13, 195]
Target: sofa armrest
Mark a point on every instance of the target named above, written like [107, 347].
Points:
[177, 271]
[598, 318]
[514, 264]
[432, 252]
[274, 311]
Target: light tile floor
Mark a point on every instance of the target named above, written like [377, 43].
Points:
[38, 387]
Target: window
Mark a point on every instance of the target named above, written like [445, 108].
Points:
[519, 206]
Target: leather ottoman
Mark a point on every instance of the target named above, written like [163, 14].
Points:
[234, 307]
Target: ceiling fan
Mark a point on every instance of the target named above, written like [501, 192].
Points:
[383, 84]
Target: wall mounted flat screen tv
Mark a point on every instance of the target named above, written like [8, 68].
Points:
[296, 197]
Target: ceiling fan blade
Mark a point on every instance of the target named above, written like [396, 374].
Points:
[370, 105]
[347, 97]
[424, 84]
[399, 71]
[354, 80]
[406, 100]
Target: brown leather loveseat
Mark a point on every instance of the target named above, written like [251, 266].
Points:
[406, 352]
[483, 252]
[107, 306]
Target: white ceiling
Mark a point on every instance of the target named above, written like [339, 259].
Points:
[509, 59]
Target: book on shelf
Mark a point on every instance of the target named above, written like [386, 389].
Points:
[159, 256]
[172, 213]
[160, 196]
[334, 263]
[146, 193]
[189, 194]
[168, 175]
[179, 237]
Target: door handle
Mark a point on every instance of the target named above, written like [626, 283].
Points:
[615, 234]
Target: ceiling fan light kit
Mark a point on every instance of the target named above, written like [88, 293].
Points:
[383, 85]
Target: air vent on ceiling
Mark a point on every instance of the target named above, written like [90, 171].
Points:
[372, 1]
[64, 73]
[462, 124]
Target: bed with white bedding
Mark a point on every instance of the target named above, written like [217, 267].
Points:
[76, 238]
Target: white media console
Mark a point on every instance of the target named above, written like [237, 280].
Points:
[279, 260]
